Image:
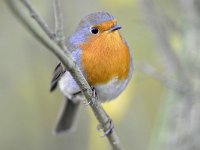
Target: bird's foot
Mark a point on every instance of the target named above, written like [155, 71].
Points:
[94, 97]
[106, 128]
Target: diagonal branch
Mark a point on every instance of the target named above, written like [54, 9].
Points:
[67, 61]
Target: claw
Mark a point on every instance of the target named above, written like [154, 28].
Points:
[94, 96]
[108, 131]
[86, 103]
[99, 128]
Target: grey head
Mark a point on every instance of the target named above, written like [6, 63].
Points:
[84, 28]
[94, 19]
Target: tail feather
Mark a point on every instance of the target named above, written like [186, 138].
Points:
[67, 117]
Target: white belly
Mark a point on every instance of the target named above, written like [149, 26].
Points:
[104, 92]
[111, 90]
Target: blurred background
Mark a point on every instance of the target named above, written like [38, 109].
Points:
[160, 108]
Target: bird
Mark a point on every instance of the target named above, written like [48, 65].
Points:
[105, 59]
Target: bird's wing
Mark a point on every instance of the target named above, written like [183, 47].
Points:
[58, 72]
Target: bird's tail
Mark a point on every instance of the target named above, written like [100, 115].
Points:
[67, 117]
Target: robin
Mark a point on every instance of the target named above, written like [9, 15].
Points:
[104, 58]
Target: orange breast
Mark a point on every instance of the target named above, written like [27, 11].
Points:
[104, 57]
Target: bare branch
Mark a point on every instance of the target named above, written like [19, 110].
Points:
[59, 22]
[67, 61]
[165, 80]
[40, 20]
[168, 58]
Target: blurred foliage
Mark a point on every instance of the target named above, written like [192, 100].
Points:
[28, 110]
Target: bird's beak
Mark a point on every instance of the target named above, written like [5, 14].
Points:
[115, 27]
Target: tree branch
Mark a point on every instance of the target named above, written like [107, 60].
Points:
[164, 79]
[59, 22]
[168, 58]
[40, 20]
[67, 61]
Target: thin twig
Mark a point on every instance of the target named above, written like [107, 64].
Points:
[40, 20]
[168, 58]
[59, 22]
[71, 66]
[164, 79]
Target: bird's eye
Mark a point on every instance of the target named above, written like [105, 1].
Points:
[94, 30]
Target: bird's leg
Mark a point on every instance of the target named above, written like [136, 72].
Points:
[94, 97]
[108, 125]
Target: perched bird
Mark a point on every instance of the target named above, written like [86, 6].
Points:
[103, 56]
